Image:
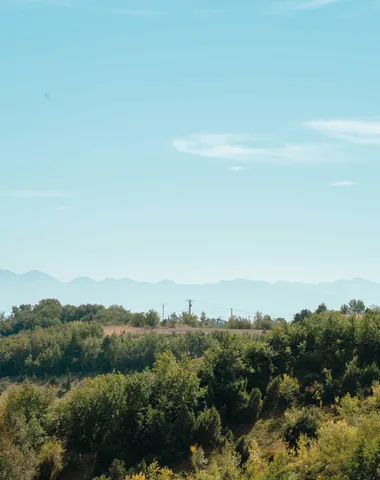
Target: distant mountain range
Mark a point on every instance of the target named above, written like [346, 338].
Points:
[216, 299]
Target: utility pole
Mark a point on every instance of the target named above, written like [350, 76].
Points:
[163, 311]
[232, 312]
[190, 305]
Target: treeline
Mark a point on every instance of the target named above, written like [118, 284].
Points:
[51, 313]
[82, 348]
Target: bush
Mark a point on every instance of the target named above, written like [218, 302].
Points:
[347, 407]
[289, 391]
[243, 447]
[14, 464]
[283, 391]
[254, 404]
[117, 470]
[301, 422]
[365, 463]
[208, 427]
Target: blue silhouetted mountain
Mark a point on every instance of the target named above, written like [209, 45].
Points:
[280, 299]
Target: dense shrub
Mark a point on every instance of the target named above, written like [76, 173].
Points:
[301, 422]
[283, 391]
[208, 427]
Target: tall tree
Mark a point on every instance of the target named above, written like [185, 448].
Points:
[321, 308]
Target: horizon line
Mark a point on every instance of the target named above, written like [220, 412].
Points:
[236, 279]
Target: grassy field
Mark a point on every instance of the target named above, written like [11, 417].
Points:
[138, 332]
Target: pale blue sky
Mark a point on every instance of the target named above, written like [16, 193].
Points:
[195, 140]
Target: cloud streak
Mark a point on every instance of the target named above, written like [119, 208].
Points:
[342, 183]
[235, 169]
[283, 6]
[239, 147]
[314, 4]
[352, 131]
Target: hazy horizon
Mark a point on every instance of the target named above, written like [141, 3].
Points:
[232, 279]
[279, 299]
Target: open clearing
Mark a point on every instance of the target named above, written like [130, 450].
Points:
[138, 332]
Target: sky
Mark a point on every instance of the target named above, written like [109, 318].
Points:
[192, 140]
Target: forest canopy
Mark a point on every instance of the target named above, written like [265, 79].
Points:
[78, 404]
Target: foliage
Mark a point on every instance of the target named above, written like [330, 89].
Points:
[283, 391]
[82, 348]
[304, 422]
[239, 323]
[353, 307]
[299, 317]
[181, 401]
[208, 427]
[321, 308]
[50, 312]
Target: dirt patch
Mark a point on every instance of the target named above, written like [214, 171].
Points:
[138, 332]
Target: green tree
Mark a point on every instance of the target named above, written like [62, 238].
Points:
[15, 464]
[69, 382]
[321, 308]
[356, 306]
[345, 309]
[152, 319]
[189, 319]
[117, 470]
[301, 422]
[138, 320]
[50, 459]
[68, 314]
[203, 319]
[48, 311]
[25, 416]
[299, 317]
[208, 428]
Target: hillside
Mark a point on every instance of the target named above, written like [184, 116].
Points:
[301, 402]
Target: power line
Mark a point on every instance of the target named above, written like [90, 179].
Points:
[190, 301]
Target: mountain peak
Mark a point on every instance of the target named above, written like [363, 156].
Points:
[7, 276]
[165, 282]
[37, 276]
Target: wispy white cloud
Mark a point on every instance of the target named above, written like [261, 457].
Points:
[342, 183]
[235, 169]
[28, 194]
[239, 147]
[314, 4]
[283, 6]
[353, 131]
